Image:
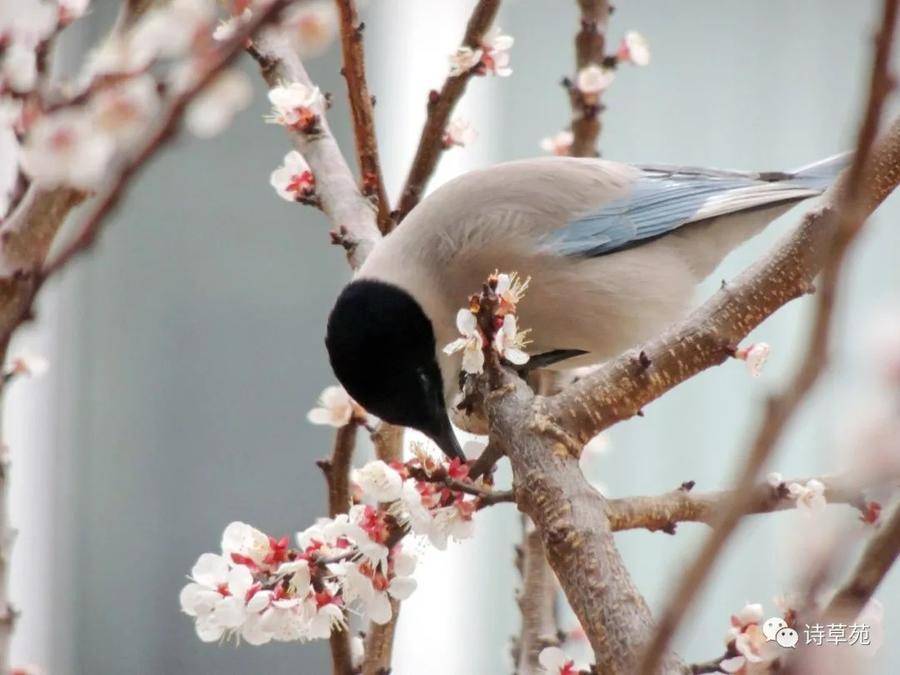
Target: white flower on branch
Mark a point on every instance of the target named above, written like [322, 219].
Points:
[470, 344]
[810, 498]
[495, 53]
[214, 108]
[463, 60]
[755, 357]
[357, 651]
[126, 110]
[775, 479]
[459, 132]
[373, 588]
[509, 342]
[244, 544]
[634, 49]
[297, 106]
[311, 27]
[18, 68]
[293, 180]
[510, 289]
[379, 481]
[24, 25]
[593, 79]
[335, 408]
[749, 613]
[65, 148]
[555, 662]
[559, 144]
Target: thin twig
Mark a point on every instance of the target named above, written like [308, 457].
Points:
[663, 512]
[590, 44]
[780, 409]
[362, 111]
[440, 107]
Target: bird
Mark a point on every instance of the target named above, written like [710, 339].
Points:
[614, 252]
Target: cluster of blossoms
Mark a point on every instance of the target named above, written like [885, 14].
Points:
[459, 132]
[750, 650]
[507, 341]
[810, 497]
[297, 107]
[260, 589]
[492, 57]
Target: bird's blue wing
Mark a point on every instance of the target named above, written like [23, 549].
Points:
[662, 199]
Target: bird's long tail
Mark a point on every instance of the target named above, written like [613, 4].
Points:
[819, 175]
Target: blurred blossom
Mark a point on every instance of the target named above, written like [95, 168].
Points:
[593, 79]
[311, 26]
[126, 110]
[464, 59]
[66, 148]
[69, 10]
[810, 498]
[755, 356]
[558, 144]
[634, 48]
[459, 132]
[31, 365]
[554, 661]
[171, 31]
[213, 110]
[495, 57]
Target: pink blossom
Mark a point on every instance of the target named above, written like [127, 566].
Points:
[559, 144]
[634, 48]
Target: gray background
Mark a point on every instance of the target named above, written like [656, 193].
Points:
[188, 346]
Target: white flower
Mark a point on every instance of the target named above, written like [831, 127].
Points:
[470, 344]
[508, 341]
[28, 22]
[379, 481]
[323, 620]
[750, 613]
[459, 132]
[755, 356]
[297, 571]
[449, 522]
[558, 144]
[810, 497]
[555, 662]
[373, 590]
[173, 29]
[464, 59]
[295, 105]
[348, 525]
[592, 79]
[293, 180]
[775, 479]
[65, 148]
[217, 597]
[9, 164]
[32, 365]
[215, 107]
[496, 48]
[510, 289]
[245, 541]
[634, 48]
[72, 9]
[335, 408]
[18, 68]
[126, 110]
[417, 514]
[311, 27]
[116, 54]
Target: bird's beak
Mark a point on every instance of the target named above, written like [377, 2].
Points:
[446, 438]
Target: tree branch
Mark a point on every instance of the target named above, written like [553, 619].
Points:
[537, 602]
[362, 112]
[388, 441]
[877, 558]
[663, 512]
[337, 475]
[352, 215]
[440, 107]
[590, 44]
[849, 198]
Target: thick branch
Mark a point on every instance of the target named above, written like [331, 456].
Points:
[440, 107]
[877, 558]
[589, 49]
[575, 532]
[663, 512]
[537, 603]
[362, 110]
[352, 215]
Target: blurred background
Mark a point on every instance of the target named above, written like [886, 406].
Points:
[187, 347]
